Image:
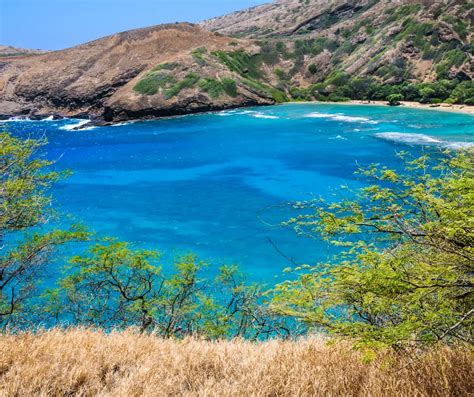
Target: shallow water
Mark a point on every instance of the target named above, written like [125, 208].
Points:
[218, 184]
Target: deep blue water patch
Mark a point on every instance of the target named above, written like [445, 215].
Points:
[218, 184]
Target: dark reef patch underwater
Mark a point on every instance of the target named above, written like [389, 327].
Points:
[219, 184]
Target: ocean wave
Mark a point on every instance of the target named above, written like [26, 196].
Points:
[70, 127]
[120, 124]
[420, 139]
[264, 116]
[26, 119]
[341, 117]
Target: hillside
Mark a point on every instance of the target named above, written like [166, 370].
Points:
[150, 72]
[81, 362]
[410, 41]
[9, 51]
[287, 50]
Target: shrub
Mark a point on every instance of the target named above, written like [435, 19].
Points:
[240, 62]
[153, 82]
[164, 66]
[405, 273]
[230, 87]
[198, 55]
[312, 68]
[394, 99]
[189, 81]
[213, 87]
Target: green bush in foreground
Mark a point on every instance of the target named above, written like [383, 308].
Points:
[407, 270]
[25, 205]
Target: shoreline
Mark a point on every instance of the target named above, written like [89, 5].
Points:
[445, 107]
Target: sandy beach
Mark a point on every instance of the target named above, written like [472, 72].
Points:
[446, 107]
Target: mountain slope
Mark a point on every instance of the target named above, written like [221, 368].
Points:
[417, 40]
[101, 78]
[288, 50]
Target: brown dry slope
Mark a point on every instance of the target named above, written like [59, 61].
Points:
[80, 362]
[98, 78]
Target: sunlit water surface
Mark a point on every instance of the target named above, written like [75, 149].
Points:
[219, 184]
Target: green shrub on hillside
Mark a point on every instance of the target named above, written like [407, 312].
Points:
[188, 82]
[241, 63]
[152, 83]
[198, 55]
[230, 86]
[165, 66]
[215, 88]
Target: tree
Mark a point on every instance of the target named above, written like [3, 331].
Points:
[114, 286]
[24, 204]
[312, 69]
[407, 266]
[394, 99]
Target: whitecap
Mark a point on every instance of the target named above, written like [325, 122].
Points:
[17, 119]
[341, 117]
[413, 139]
[264, 116]
[420, 139]
[121, 124]
[318, 115]
[70, 127]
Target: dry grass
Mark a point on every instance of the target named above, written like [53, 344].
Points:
[86, 363]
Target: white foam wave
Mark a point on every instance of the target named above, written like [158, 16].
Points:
[264, 116]
[420, 139]
[26, 119]
[341, 117]
[120, 124]
[70, 127]
[317, 115]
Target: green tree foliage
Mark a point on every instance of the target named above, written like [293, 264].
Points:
[117, 287]
[25, 204]
[394, 99]
[406, 270]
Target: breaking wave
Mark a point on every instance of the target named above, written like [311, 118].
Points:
[70, 127]
[341, 117]
[420, 139]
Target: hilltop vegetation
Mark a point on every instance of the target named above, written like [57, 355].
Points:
[362, 50]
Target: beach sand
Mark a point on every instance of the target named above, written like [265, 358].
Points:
[466, 109]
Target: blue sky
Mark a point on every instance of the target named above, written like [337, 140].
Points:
[56, 24]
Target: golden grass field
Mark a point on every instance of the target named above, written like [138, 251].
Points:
[81, 362]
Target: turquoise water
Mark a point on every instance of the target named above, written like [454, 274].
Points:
[218, 184]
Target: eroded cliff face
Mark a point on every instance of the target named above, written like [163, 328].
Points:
[97, 79]
[290, 49]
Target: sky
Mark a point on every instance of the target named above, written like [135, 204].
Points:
[58, 24]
